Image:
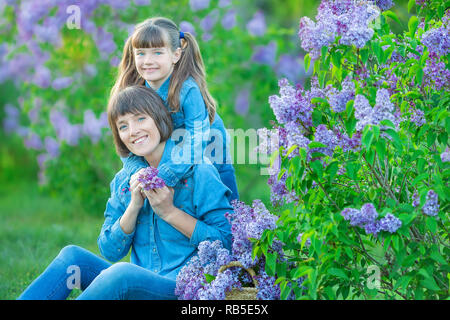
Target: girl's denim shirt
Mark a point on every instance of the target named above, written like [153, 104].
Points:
[155, 244]
[191, 123]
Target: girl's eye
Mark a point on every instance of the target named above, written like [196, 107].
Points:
[140, 54]
[158, 53]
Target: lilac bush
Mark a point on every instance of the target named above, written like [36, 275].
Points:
[363, 149]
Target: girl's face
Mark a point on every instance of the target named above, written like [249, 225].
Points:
[139, 133]
[155, 64]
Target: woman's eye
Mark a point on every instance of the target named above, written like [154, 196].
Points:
[141, 119]
[121, 128]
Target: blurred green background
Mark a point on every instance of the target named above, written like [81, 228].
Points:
[54, 86]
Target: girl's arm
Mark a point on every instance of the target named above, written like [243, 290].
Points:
[195, 135]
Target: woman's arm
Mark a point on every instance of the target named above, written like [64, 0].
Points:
[117, 231]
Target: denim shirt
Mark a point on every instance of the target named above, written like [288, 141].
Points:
[155, 244]
[211, 140]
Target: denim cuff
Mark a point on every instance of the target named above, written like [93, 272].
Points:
[124, 240]
[167, 175]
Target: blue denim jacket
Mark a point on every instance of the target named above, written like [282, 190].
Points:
[155, 244]
[193, 117]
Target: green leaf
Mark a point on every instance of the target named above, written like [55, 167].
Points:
[431, 224]
[317, 168]
[209, 277]
[336, 57]
[380, 146]
[316, 144]
[412, 25]
[392, 15]
[307, 61]
[411, 4]
[429, 283]
[419, 76]
[271, 262]
[338, 273]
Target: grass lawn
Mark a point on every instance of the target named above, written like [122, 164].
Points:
[34, 229]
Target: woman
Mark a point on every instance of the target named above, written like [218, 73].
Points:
[163, 227]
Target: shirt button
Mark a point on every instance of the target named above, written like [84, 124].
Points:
[156, 270]
[154, 249]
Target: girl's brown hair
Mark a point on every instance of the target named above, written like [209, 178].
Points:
[161, 32]
[137, 100]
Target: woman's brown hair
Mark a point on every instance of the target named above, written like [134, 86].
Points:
[161, 32]
[138, 100]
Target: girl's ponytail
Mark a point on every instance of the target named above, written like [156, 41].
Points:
[127, 73]
[191, 64]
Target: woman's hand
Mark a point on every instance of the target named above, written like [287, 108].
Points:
[137, 196]
[161, 201]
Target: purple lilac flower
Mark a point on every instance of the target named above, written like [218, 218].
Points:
[208, 22]
[338, 99]
[257, 25]
[436, 73]
[33, 141]
[105, 42]
[242, 104]
[383, 110]
[390, 223]
[265, 54]
[345, 18]
[437, 40]
[149, 179]
[416, 200]
[52, 147]
[373, 227]
[186, 26]
[64, 130]
[11, 121]
[92, 127]
[328, 138]
[418, 117]
[61, 83]
[142, 2]
[291, 105]
[300, 237]
[229, 19]
[217, 289]
[385, 4]
[224, 3]
[431, 206]
[42, 77]
[189, 280]
[289, 66]
[197, 5]
[267, 289]
[445, 156]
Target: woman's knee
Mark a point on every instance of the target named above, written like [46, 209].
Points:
[71, 253]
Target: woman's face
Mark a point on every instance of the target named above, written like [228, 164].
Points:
[139, 133]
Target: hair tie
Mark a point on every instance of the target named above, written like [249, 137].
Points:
[181, 35]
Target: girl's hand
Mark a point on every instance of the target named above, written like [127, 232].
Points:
[161, 201]
[137, 196]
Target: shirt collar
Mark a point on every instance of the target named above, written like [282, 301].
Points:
[163, 91]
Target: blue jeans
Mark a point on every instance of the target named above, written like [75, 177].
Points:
[99, 279]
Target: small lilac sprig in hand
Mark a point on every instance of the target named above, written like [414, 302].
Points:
[149, 179]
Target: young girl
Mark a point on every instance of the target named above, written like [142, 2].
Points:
[163, 227]
[162, 57]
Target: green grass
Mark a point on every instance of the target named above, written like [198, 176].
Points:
[34, 229]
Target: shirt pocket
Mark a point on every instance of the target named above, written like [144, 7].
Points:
[142, 232]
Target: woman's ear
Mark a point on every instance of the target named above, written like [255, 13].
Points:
[176, 55]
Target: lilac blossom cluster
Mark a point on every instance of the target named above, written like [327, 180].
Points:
[150, 180]
[431, 206]
[246, 222]
[445, 156]
[338, 99]
[366, 218]
[191, 281]
[383, 110]
[348, 19]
